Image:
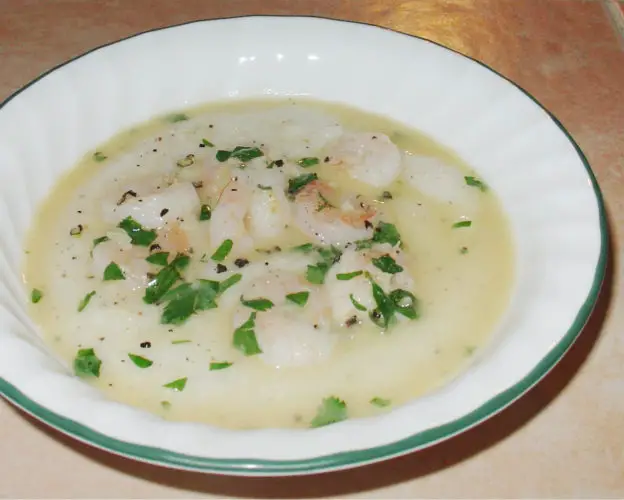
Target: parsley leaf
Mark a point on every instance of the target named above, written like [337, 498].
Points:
[259, 304]
[296, 184]
[183, 341]
[229, 282]
[177, 385]
[99, 240]
[316, 274]
[299, 298]
[85, 301]
[348, 276]
[206, 142]
[380, 402]
[242, 153]
[244, 338]
[384, 312]
[205, 212]
[186, 300]
[305, 248]
[140, 361]
[216, 365]
[405, 303]
[113, 273]
[223, 251]
[176, 117]
[474, 182]
[99, 156]
[332, 410]
[158, 258]
[386, 233]
[462, 223]
[308, 162]
[87, 364]
[36, 295]
[387, 264]
[138, 235]
[356, 304]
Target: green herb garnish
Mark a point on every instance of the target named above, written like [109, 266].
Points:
[138, 234]
[387, 264]
[85, 301]
[113, 273]
[158, 258]
[383, 314]
[316, 274]
[348, 276]
[264, 188]
[229, 282]
[87, 364]
[223, 251]
[205, 212]
[176, 342]
[296, 184]
[299, 298]
[36, 295]
[405, 303]
[215, 365]
[187, 161]
[356, 304]
[332, 410]
[140, 361]
[176, 117]
[99, 240]
[99, 156]
[462, 223]
[244, 338]
[380, 402]
[259, 304]
[305, 248]
[206, 142]
[177, 385]
[308, 162]
[463, 250]
[474, 182]
[165, 405]
[242, 153]
[187, 299]
[383, 233]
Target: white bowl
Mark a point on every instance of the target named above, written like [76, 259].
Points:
[525, 154]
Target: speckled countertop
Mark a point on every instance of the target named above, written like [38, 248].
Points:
[565, 439]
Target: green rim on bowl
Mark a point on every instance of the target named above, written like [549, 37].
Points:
[346, 459]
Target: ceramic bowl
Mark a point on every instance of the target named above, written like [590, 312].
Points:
[527, 157]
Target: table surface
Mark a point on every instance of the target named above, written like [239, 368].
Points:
[563, 439]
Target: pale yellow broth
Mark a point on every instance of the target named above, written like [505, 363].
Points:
[463, 281]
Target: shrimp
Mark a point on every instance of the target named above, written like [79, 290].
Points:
[288, 334]
[342, 293]
[319, 219]
[369, 157]
[440, 181]
[248, 211]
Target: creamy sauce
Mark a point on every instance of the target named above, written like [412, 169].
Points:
[461, 276]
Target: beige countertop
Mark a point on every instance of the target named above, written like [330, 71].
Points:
[565, 438]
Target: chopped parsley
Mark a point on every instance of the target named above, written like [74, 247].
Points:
[87, 364]
[296, 184]
[223, 251]
[177, 385]
[276, 163]
[264, 188]
[113, 273]
[187, 161]
[165, 405]
[383, 314]
[229, 282]
[463, 250]
[36, 295]
[305, 248]
[176, 342]
[387, 264]
[308, 162]
[380, 402]
[299, 298]
[165, 279]
[188, 299]
[206, 142]
[140, 361]
[99, 156]
[158, 258]
[356, 304]
[99, 240]
[76, 231]
[205, 212]
[244, 338]
[462, 223]
[176, 117]
[474, 182]
[330, 411]
[405, 303]
[138, 234]
[84, 302]
[242, 153]
[383, 233]
[222, 365]
[315, 274]
[348, 276]
[260, 304]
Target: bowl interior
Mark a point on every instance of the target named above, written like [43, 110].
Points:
[545, 186]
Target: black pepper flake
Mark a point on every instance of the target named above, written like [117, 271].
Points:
[279, 163]
[170, 330]
[210, 126]
[163, 212]
[221, 268]
[101, 339]
[202, 145]
[125, 196]
[316, 327]
[351, 321]
[368, 224]
[154, 150]
[326, 160]
[146, 345]
[155, 247]
[241, 262]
